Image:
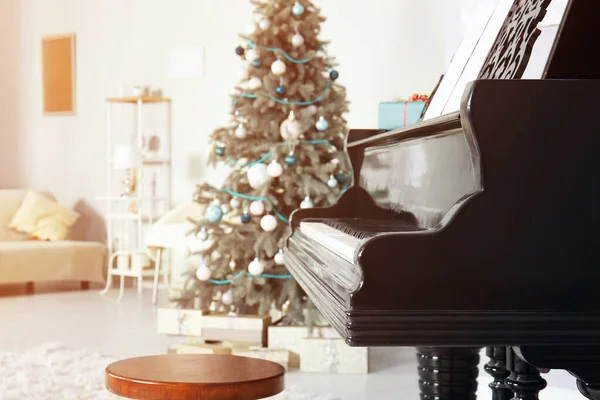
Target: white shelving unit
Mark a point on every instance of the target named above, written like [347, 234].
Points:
[127, 216]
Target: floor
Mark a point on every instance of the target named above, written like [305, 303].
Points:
[127, 328]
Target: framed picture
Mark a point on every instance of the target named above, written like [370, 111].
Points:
[58, 74]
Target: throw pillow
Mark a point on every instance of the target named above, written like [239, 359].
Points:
[42, 218]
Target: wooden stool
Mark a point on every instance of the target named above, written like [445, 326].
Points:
[192, 376]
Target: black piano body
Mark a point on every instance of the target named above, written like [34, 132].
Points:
[497, 208]
[475, 229]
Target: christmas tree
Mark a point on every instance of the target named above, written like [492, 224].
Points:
[284, 142]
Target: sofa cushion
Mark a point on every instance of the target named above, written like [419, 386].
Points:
[43, 218]
[10, 201]
[40, 261]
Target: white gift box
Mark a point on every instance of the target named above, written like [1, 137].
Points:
[290, 337]
[173, 321]
[280, 356]
[219, 327]
[332, 356]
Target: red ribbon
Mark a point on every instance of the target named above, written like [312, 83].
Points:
[419, 97]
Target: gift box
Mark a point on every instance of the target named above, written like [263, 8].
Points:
[290, 337]
[393, 115]
[173, 321]
[203, 348]
[333, 356]
[279, 356]
[213, 327]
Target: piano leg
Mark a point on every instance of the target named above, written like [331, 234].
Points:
[448, 373]
[524, 379]
[496, 367]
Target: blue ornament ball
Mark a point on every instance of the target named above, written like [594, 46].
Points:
[298, 9]
[280, 89]
[322, 124]
[214, 213]
[220, 151]
[334, 74]
[290, 160]
[256, 63]
[239, 50]
[332, 182]
[245, 218]
[340, 177]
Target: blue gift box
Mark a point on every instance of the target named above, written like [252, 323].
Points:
[393, 115]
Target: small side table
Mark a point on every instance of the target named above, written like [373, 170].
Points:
[194, 376]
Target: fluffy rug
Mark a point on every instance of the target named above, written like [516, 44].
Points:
[56, 372]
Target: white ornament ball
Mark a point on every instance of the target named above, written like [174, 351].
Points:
[268, 223]
[279, 258]
[203, 273]
[235, 202]
[297, 40]
[258, 176]
[254, 83]
[257, 207]
[252, 54]
[256, 267]
[264, 24]
[244, 74]
[251, 29]
[202, 235]
[290, 128]
[274, 169]
[278, 67]
[241, 132]
[312, 109]
[227, 298]
[306, 203]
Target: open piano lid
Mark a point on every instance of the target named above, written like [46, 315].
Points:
[517, 260]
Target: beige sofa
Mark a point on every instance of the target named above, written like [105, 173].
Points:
[24, 260]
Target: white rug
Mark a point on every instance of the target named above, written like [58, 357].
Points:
[56, 372]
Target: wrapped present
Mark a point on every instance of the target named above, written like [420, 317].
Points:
[214, 327]
[333, 356]
[290, 337]
[280, 356]
[396, 114]
[202, 347]
[173, 321]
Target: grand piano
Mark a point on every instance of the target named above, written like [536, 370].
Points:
[476, 229]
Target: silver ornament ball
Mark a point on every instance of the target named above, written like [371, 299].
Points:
[279, 258]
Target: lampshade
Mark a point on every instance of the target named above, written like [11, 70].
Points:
[126, 156]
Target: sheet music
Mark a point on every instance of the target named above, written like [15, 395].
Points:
[475, 47]
[459, 62]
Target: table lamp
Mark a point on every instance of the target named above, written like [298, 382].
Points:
[127, 157]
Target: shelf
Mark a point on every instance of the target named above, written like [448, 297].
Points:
[148, 272]
[135, 99]
[133, 217]
[151, 161]
[126, 199]
[156, 161]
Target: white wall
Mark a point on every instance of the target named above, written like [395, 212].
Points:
[388, 49]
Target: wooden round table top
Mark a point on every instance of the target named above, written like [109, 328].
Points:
[195, 376]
